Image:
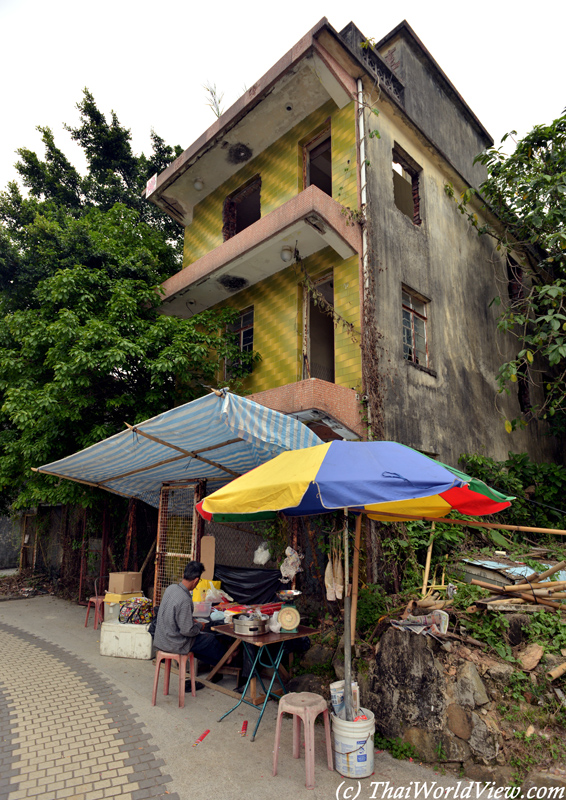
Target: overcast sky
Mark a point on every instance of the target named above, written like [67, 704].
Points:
[148, 61]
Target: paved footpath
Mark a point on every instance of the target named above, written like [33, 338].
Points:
[65, 732]
[78, 725]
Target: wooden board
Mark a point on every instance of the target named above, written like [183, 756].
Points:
[207, 556]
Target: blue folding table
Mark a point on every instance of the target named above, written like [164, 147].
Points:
[262, 657]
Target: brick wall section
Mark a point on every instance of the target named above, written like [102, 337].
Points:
[336, 401]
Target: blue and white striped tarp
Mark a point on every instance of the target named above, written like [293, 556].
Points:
[233, 433]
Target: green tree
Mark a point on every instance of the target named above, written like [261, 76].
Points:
[83, 347]
[527, 191]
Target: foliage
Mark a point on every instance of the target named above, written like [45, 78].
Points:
[539, 488]
[527, 191]
[372, 604]
[82, 345]
[214, 98]
[491, 629]
[397, 747]
[547, 627]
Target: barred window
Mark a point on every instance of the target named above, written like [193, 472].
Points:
[415, 346]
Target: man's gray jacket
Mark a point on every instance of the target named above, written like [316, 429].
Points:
[176, 629]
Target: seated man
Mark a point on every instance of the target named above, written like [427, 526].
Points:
[176, 631]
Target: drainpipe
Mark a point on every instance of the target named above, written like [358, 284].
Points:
[361, 134]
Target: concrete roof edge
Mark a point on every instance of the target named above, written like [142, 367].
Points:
[241, 107]
[404, 28]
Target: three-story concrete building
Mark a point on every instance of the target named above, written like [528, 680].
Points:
[316, 207]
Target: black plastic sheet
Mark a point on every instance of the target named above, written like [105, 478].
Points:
[249, 585]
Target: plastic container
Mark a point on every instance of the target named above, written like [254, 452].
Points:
[125, 641]
[111, 612]
[353, 745]
[337, 696]
[201, 608]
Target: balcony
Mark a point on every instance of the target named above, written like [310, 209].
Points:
[310, 221]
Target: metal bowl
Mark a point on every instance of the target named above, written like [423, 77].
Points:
[288, 594]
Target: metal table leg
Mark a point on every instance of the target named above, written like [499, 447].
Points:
[273, 663]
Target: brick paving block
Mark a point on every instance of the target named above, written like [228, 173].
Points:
[96, 795]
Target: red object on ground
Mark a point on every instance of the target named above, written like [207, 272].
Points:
[244, 728]
[201, 737]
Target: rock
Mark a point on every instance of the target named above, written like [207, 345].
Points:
[309, 683]
[459, 721]
[501, 776]
[468, 689]
[483, 743]
[514, 633]
[437, 746]
[499, 674]
[530, 730]
[537, 780]
[317, 654]
[530, 656]
[406, 684]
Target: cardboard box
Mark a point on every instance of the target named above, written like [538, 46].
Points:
[125, 640]
[120, 582]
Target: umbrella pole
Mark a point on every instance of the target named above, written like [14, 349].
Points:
[355, 578]
[347, 628]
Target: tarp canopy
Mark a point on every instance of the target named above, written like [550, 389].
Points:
[216, 437]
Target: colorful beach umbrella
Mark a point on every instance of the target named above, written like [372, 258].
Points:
[385, 480]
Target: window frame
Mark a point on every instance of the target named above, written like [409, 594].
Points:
[408, 308]
[240, 332]
[230, 206]
[414, 171]
[312, 143]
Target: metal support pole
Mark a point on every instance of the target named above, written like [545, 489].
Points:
[347, 628]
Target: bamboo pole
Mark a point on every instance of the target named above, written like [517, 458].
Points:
[355, 577]
[556, 672]
[537, 576]
[428, 558]
[529, 597]
[536, 587]
[192, 453]
[466, 523]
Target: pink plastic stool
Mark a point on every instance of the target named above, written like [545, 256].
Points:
[98, 603]
[182, 662]
[304, 706]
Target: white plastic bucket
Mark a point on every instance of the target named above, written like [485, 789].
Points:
[353, 745]
[337, 696]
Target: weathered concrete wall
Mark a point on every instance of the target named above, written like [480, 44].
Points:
[9, 542]
[453, 407]
[436, 108]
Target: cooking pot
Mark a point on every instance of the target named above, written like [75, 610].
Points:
[250, 627]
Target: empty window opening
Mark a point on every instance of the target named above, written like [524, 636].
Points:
[242, 329]
[241, 209]
[318, 163]
[406, 186]
[415, 345]
[318, 345]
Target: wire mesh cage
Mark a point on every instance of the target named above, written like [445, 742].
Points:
[175, 540]
[236, 544]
